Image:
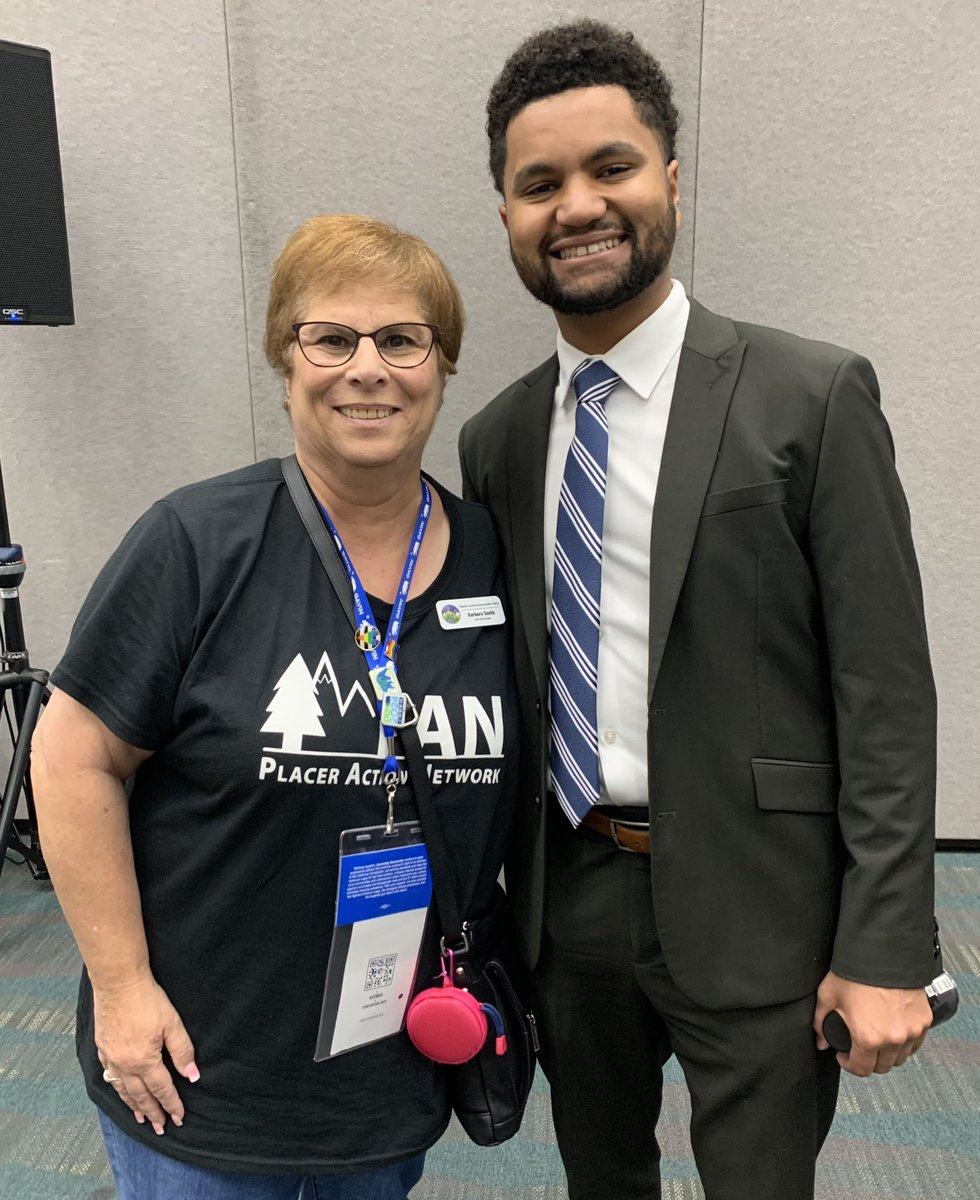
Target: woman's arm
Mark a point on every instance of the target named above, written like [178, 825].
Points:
[78, 768]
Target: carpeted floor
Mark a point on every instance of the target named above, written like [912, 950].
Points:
[911, 1135]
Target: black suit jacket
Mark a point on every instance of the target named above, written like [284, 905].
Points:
[791, 707]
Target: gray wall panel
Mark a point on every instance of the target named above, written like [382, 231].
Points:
[144, 392]
[384, 114]
[837, 198]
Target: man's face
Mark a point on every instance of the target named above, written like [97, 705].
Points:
[589, 206]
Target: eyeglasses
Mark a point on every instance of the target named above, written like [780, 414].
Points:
[324, 344]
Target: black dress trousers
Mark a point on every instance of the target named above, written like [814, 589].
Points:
[763, 1097]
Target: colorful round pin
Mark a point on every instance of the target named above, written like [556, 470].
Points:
[367, 636]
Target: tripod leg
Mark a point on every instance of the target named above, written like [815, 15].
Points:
[32, 851]
[18, 765]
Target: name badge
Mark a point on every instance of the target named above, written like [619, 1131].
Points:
[383, 897]
[470, 612]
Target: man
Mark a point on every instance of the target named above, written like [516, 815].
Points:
[728, 709]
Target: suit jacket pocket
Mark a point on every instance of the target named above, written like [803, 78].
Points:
[804, 787]
[771, 492]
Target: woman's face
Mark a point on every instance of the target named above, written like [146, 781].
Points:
[364, 413]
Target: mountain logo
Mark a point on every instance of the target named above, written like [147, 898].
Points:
[307, 705]
[301, 696]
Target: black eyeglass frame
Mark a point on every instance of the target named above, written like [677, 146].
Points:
[434, 329]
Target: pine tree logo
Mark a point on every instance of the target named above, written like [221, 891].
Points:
[294, 709]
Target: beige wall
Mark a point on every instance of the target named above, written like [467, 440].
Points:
[827, 173]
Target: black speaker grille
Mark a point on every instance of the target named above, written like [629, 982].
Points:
[34, 267]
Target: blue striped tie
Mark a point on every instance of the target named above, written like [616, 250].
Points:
[575, 597]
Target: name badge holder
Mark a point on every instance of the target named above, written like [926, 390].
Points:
[385, 883]
[383, 895]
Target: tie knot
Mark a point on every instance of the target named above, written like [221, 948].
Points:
[593, 380]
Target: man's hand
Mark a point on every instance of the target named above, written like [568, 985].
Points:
[132, 1025]
[886, 1024]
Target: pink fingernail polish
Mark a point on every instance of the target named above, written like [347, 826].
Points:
[192, 1073]
[140, 1119]
[158, 1129]
[176, 1120]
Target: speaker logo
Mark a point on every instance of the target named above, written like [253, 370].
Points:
[12, 316]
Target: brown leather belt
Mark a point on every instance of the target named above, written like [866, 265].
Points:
[628, 835]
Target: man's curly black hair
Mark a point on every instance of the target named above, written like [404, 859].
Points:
[581, 54]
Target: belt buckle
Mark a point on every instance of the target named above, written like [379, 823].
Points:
[613, 829]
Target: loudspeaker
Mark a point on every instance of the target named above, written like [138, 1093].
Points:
[35, 277]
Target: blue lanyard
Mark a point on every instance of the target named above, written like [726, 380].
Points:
[381, 659]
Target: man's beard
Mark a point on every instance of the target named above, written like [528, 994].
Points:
[649, 260]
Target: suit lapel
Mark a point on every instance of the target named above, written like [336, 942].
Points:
[706, 375]
[528, 431]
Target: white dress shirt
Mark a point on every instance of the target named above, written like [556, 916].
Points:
[646, 362]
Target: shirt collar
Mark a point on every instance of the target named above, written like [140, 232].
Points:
[640, 358]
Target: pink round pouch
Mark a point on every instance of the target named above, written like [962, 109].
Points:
[446, 1024]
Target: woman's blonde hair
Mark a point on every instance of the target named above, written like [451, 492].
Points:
[328, 253]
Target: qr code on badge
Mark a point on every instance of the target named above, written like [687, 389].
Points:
[380, 972]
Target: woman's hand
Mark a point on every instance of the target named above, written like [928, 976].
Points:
[133, 1023]
[78, 766]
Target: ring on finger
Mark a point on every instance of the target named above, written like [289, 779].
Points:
[111, 1078]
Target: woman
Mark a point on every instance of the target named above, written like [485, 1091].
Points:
[214, 662]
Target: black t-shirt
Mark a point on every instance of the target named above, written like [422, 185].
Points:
[214, 638]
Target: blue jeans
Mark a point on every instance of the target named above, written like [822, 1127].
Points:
[142, 1173]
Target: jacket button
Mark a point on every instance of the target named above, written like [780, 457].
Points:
[537, 802]
[537, 706]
